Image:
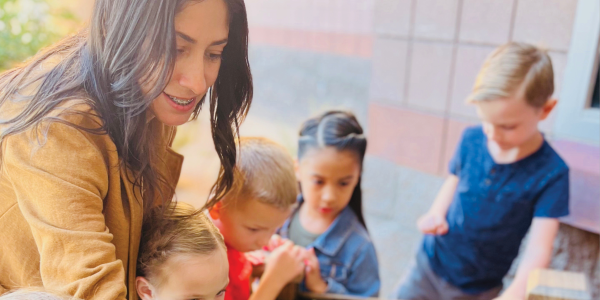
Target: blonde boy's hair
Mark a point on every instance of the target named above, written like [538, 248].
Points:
[182, 229]
[265, 172]
[515, 69]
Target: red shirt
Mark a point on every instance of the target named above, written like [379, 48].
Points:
[240, 270]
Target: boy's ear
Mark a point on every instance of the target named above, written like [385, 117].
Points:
[548, 107]
[144, 288]
[215, 211]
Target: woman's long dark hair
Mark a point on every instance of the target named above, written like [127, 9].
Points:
[130, 44]
[342, 131]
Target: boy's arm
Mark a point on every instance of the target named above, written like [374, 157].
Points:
[434, 221]
[537, 255]
[444, 197]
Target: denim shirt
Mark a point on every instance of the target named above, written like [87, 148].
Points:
[346, 255]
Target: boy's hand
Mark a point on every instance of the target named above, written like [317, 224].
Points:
[284, 264]
[314, 281]
[274, 242]
[431, 223]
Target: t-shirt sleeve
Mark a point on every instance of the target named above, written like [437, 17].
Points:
[553, 201]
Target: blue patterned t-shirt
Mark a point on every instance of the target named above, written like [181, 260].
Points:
[492, 210]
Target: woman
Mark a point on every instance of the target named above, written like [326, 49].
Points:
[85, 130]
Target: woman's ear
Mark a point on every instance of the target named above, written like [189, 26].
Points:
[215, 211]
[144, 288]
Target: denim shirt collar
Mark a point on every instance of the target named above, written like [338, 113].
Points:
[332, 240]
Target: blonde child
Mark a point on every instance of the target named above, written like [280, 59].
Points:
[505, 180]
[182, 256]
[262, 198]
[329, 221]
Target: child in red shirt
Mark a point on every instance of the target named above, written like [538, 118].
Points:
[263, 197]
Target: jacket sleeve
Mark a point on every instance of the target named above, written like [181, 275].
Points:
[60, 187]
[363, 278]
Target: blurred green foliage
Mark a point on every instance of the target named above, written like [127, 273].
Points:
[26, 26]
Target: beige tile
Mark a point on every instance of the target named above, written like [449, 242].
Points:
[392, 17]
[468, 63]
[406, 137]
[436, 19]
[486, 21]
[429, 75]
[546, 23]
[389, 69]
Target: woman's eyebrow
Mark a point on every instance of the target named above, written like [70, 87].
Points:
[186, 37]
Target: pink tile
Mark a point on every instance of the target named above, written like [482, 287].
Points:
[389, 69]
[392, 17]
[436, 19]
[579, 156]
[453, 131]
[408, 138]
[365, 46]
[486, 21]
[469, 60]
[429, 75]
[545, 23]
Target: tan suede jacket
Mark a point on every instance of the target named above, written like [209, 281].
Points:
[69, 220]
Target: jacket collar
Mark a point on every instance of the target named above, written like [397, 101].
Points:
[332, 240]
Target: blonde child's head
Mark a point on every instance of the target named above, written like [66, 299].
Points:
[35, 294]
[182, 256]
[263, 195]
[513, 93]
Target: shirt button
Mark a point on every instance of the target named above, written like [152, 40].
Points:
[493, 171]
[488, 182]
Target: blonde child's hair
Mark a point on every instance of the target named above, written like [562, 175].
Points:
[181, 230]
[265, 172]
[515, 69]
[35, 294]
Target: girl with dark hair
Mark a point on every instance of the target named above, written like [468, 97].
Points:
[329, 219]
[85, 134]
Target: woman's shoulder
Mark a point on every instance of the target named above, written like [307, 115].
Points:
[72, 122]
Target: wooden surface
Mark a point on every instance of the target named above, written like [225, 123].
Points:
[312, 296]
[545, 284]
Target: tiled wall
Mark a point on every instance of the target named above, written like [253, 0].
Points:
[426, 54]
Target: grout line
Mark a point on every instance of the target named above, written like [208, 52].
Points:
[451, 76]
[513, 17]
[409, 48]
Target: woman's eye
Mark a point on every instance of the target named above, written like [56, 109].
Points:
[318, 182]
[214, 57]
[344, 183]
[221, 293]
[253, 229]
[180, 51]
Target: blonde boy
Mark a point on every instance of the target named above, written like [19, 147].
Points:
[263, 196]
[505, 180]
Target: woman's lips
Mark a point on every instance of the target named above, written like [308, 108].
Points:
[179, 107]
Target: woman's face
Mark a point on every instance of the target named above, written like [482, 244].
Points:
[202, 28]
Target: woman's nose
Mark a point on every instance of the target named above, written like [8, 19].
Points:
[193, 78]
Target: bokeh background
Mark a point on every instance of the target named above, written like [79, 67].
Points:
[404, 67]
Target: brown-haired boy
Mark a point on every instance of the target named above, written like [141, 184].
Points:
[505, 180]
[263, 197]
